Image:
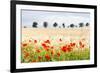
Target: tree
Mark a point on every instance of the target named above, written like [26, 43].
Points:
[63, 25]
[81, 24]
[87, 24]
[35, 24]
[72, 25]
[45, 24]
[55, 24]
[25, 27]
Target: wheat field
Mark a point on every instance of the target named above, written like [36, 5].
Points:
[40, 45]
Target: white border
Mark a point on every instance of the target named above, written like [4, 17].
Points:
[20, 65]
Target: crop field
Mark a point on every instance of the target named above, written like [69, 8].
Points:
[50, 45]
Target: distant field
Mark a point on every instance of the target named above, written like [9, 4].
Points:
[28, 33]
[48, 44]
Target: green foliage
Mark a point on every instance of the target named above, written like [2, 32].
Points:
[82, 54]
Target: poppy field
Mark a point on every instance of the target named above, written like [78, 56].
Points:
[54, 49]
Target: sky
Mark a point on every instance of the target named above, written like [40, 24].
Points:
[30, 16]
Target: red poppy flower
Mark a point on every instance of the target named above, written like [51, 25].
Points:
[52, 47]
[26, 55]
[47, 57]
[39, 57]
[80, 43]
[66, 48]
[24, 44]
[35, 41]
[83, 46]
[58, 54]
[72, 44]
[47, 41]
[45, 46]
[68, 45]
[38, 50]
[69, 49]
[60, 40]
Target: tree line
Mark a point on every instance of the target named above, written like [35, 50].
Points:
[55, 24]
